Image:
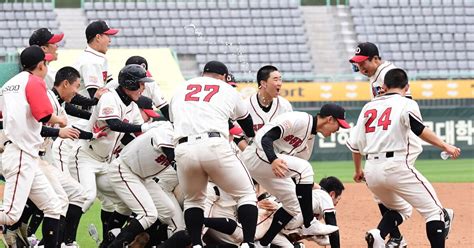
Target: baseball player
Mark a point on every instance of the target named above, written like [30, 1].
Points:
[288, 135]
[151, 90]
[199, 111]
[222, 227]
[325, 199]
[115, 114]
[49, 43]
[369, 63]
[382, 136]
[25, 105]
[131, 176]
[267, 104]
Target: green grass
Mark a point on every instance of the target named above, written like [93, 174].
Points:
[455, 171]
[449, 171]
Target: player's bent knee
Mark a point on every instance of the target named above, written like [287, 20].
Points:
[250, 199]
[406, 213]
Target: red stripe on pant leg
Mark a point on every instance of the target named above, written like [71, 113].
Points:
[123, 179]
[77, 165]
[16, 183]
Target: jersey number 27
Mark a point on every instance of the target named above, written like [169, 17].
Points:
[383, 121]
[196, 88]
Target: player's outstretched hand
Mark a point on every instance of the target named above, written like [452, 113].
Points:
[452, 150]
[359, 176]
[100, 92]
[279, 167]
[69, 133]
[147, 126]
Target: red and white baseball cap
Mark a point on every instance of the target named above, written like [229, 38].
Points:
[99, 27]
[32, 55]
[336, 111]
[44, 36]
[146, 104]
[364, 51]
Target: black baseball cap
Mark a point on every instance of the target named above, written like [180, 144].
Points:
[99, 27]
[336, 111]
[216, 67]
[231, 80]
[32, 55]
[364, 51]
[43, 36]
[146, 104]
[139, 60]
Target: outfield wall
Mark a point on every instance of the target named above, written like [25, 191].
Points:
[453, 125]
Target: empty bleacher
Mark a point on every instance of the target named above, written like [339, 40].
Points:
[18, 20]
[427, 37]
[243, 34]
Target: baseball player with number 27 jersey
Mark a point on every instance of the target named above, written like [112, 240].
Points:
[200, 111]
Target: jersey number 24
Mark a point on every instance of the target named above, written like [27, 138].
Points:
[196, 88]
[383, 121]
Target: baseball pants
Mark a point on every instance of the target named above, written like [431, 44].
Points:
[24, 179]
[399, 186]
[283, 189]
[91, 172]
[143, 196]
[61, 150]
[168, 181]
[200, 159]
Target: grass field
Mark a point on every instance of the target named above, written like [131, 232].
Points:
[453, 171]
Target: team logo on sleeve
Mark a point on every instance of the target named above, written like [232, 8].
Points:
[93, 79]
[107, 110]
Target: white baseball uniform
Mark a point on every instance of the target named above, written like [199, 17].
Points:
[23, 103]
[90, 158]
[296, 128]
[279, 106]
[132, 176]
[376, 82]
[67, 188]
[200, 110]
[382, 134]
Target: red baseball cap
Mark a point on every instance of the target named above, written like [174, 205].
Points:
[364, 51]
[146, 104]
[335, 111]
[99, 27]
[32, 55]
[44, 36]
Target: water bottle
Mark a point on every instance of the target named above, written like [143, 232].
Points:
[93, 233]
[444, 155]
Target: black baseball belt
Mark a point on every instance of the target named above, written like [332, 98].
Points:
[209, 134]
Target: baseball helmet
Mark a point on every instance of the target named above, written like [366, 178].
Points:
[131, 75]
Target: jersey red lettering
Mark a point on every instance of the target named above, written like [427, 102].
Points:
[383, 121]
[196, 88]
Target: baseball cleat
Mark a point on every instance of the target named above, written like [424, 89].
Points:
[374, 240]
[318, 228]
[448, 220]
[396, 243]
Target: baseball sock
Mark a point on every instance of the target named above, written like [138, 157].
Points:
[35, 222]
[194, 219]
[248, 215]
[116, 220]
[127, 234]
[304, 192]
[73, 217]
[280, 219]
[390, 220]
[223, 225]
[395, 232]
[435, 232]
[62, 226]
[158, 233]
[104, 217]
[50, 232]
